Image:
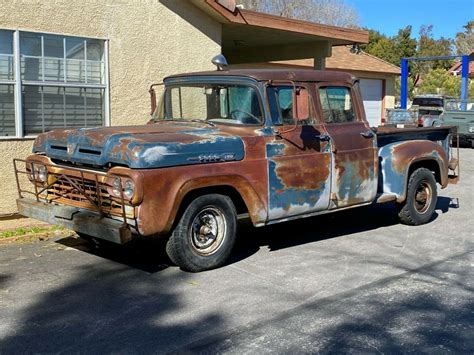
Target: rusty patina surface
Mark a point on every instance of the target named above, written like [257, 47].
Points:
[279, 171]
[399, 150]
[275, 74]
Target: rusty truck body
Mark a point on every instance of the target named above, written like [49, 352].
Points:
[273, 145]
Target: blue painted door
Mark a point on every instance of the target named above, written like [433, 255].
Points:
[299, 162]
[354, 152]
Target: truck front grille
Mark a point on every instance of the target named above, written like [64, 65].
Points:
[72, 186]
[84, 193]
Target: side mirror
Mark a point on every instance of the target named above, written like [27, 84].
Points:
[152, 93]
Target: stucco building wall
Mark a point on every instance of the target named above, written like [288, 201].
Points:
[147, 40]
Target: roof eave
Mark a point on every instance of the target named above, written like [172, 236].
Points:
[221, 10]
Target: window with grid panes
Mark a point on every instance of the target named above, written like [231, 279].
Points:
[62, 80]
[7, 82]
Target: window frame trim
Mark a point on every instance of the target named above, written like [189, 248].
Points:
[222, 81]
[18, 104]
[18, 83]
[355, 106]
[312, 119]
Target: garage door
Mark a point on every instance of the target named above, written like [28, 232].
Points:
[371, 90]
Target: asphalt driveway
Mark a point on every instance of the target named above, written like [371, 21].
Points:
[355, 281]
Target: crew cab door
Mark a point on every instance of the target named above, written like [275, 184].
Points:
[353, 145]
[298, 154]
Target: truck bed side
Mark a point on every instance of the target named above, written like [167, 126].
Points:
[403, 150]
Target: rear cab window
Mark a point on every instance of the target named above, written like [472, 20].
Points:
[336, 104]
[427, 101]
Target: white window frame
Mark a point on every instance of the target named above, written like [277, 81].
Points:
[18, 83]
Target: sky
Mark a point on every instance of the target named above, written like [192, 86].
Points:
[387, 17]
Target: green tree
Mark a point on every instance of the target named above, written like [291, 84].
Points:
[430, 47]
[384, 49]
[391, 49]
[406, 45]
[440, 81]
[411, 87]
[464, 41]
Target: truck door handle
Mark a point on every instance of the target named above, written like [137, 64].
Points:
[323, 137]
[367, 134]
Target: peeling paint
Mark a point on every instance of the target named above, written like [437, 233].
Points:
[155, 154]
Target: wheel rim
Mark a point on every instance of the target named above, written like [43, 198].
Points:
[423, 197]
[208, 230]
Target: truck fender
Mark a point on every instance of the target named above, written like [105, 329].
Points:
[255, 206]
[397, 160]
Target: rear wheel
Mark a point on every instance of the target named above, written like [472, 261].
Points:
[421, 198]
[205, 234]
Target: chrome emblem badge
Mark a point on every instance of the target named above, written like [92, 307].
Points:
[71, 148]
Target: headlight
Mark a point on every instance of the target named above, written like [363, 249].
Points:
[41, 174]
[129, 189]
[127, 186]
[116, 187]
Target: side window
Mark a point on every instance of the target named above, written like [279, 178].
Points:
[286, 105]
[336, 104]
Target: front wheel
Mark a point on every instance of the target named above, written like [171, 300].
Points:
[205, 234]
[421, 198]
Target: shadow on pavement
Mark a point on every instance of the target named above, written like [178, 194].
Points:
[323, 227]
[116, 307]
[150, 255]
[425, 310]
[145, 255]
[107, 308]
[4, 279]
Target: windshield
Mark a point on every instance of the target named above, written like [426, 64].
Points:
[427, 101]
[214, 103]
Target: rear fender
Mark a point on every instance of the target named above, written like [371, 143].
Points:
[396, 160]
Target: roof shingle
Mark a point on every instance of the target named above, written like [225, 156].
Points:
[343, 59]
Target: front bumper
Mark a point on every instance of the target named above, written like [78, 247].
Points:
[77, 219]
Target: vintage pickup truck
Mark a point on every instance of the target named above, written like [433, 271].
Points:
[272, 145]
[459, 113]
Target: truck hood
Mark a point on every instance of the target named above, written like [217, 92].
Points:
[141, 147]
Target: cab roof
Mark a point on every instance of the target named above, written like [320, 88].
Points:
[298, 75]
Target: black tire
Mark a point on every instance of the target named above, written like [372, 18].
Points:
[421, 198]
[205, 234]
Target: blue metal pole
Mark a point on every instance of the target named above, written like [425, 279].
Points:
[404, 84]
[464, 76]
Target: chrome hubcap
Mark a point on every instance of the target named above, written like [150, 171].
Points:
[208, 230]
[423, 195]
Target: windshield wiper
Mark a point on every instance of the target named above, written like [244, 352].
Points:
[212, 124]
